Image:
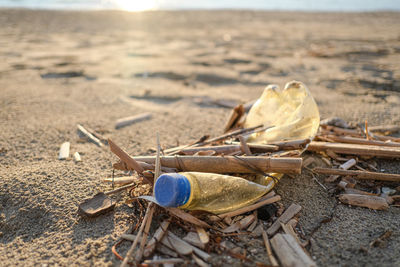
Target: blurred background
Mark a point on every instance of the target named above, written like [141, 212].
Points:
[139, 5]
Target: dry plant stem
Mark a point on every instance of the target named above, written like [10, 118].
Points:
[360, 141]
[158, 164]
[292, 145]
[385, 128]
[158, 235]
[345, 166]
[247, 209]
[228, 135]
[129, 255]
[139, 255]
[362, 175]
[284, 218]
[355, 149]
[228, 149]
[228, 164]
[187, 217]
[90, 136]
[290, 252]
[122, 188]
[122, 155]
[271, 257]
[243, 145]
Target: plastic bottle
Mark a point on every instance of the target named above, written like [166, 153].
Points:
[291, 113]
[210, 192]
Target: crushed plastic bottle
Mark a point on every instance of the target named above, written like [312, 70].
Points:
[210, 192]
[290, 113]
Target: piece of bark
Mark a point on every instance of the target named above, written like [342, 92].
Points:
[199, 261]
[131, 120]
[361, 175]
[243, 223]
[355, 149]
[203, 235]
[96, 205]
[193, 238]
[289, 252]
[77, 157]
[244, 147]
[247, 209]
[345, 166]
[228, 164]
[121, 180]
[163, 261]
[64, 151]
[270, 255]
[88, 135]
[182, 247]
[289, 213]
[234, 118]
[123, 156]
[361, 141]
[372, 202]
[158, 235]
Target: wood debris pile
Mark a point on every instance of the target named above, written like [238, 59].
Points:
[346, 156]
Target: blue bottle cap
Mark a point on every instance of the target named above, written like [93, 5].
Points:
[172, 190]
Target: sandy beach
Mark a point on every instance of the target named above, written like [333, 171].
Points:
[61, 68]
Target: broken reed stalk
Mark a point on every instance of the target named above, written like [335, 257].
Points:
[229, 149]
[243, 145]
[362, 175]
[284, 218]
[246, 209]
[271, 257]
[123, 156]
[122, 188]
[228, 164]
[158, 235]
[228, 135]
[360, 141]
[139, 255]
[355, 149]
[129, 255]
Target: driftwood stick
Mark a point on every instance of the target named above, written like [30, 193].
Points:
[228, 164]
[129, 255]
[284, 218]
[88, 135]
[355, 149]
[247, 209]
[131, 120]
[290, 252]
[345, 166]
[158, 235]
[362, 175]
[372, 202]
[122, 155]
[361, 141]
[146, 166]
[271, 257]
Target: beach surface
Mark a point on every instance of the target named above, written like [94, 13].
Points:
[61, 68]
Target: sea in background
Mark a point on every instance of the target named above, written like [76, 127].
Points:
[141, 5]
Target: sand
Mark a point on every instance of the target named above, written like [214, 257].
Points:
[58, 69]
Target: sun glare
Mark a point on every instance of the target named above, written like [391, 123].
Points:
[135, 5]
